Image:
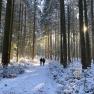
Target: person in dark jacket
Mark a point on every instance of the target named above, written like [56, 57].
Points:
[43, 61]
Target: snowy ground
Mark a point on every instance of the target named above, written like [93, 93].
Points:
[73, 80]
[49, 79]
[35, 80]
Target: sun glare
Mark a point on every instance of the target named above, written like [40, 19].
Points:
[85, 28]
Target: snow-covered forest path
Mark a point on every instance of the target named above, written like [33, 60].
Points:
[35, 80]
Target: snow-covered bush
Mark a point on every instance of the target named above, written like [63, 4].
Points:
[15, 68]
[72, 80]
[12, 71]
[77, 73]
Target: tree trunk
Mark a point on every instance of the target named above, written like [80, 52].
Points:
[63, 59]
[19, 31]
[88, 50]
[6, 40]
[24, 35]
[33, 48]
[11, 28]
[92, 23]
[82, 39]
[0, 12]
[55, 44]
[50, 45]
[47, 41]
[68, 11]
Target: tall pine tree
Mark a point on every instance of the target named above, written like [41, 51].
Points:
[7, 29]
[63, 59]
[0, 12]
[88, 49]
[82, 38]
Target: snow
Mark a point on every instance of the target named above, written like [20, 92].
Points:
[49, 79]
[73, 80]
[35, 80]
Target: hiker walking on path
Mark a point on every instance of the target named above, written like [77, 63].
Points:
[43, 61]
[40, 61]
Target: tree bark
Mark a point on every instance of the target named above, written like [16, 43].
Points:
[19, 27]
[0, 12]
[68, 11]
[6, 40]
[11, 28]
[92, 23]
[33, 48]
[63, 58]
[82, 39]
[88, 49]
